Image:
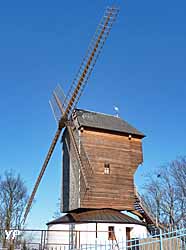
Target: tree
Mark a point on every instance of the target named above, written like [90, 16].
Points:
[13, 198]
[165, 193]
[178, 171]
[57, 213]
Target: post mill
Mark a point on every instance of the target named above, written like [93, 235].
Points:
[100, 152]
[110, 150]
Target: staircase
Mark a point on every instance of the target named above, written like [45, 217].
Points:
[142, 212]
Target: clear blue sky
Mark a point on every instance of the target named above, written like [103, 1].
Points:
[141, 70]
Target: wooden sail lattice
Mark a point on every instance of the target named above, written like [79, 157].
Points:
[90, 59]
[78, 148]
[66, 106]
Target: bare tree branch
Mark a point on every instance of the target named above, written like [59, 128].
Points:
[165, 193]
[13, 198]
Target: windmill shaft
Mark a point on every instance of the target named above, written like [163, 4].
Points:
[51, 149]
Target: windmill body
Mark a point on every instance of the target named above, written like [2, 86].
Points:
[111, 151]
[100, 156]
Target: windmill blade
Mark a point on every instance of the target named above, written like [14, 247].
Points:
[89, 60]
[56, 101]
[60, 94]
[55, 110]
[85, 168]
[51, 149]
[58, 104]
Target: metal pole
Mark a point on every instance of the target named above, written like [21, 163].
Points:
[41, 240]
[96, 246]
[161, 240]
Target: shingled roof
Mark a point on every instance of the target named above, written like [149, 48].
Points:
[105, 122]
[96, 216]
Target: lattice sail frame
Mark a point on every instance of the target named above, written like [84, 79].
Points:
[58, 96]
[65, 106]
[88, 62]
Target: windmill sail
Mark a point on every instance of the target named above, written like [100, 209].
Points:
[76, 89]
[78, 149]
[89, 60]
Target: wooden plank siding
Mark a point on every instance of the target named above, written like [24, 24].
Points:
[114, 190]
[70, 177]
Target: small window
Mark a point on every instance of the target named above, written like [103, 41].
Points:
[111, 234]
[107, 168]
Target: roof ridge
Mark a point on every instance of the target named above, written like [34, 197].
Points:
[95, 112]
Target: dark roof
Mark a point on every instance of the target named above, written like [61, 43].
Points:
[105, 122]
[93, 216]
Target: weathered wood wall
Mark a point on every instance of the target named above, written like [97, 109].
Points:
[115, 190]
[70, 195]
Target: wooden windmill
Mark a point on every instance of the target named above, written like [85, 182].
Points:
[63, 106]
[100, 153]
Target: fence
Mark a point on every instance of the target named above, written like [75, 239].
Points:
[169, 240]
[65, 240]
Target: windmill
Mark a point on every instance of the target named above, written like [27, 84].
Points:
[63, 106]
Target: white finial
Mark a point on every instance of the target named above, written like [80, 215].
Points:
[116, 109]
